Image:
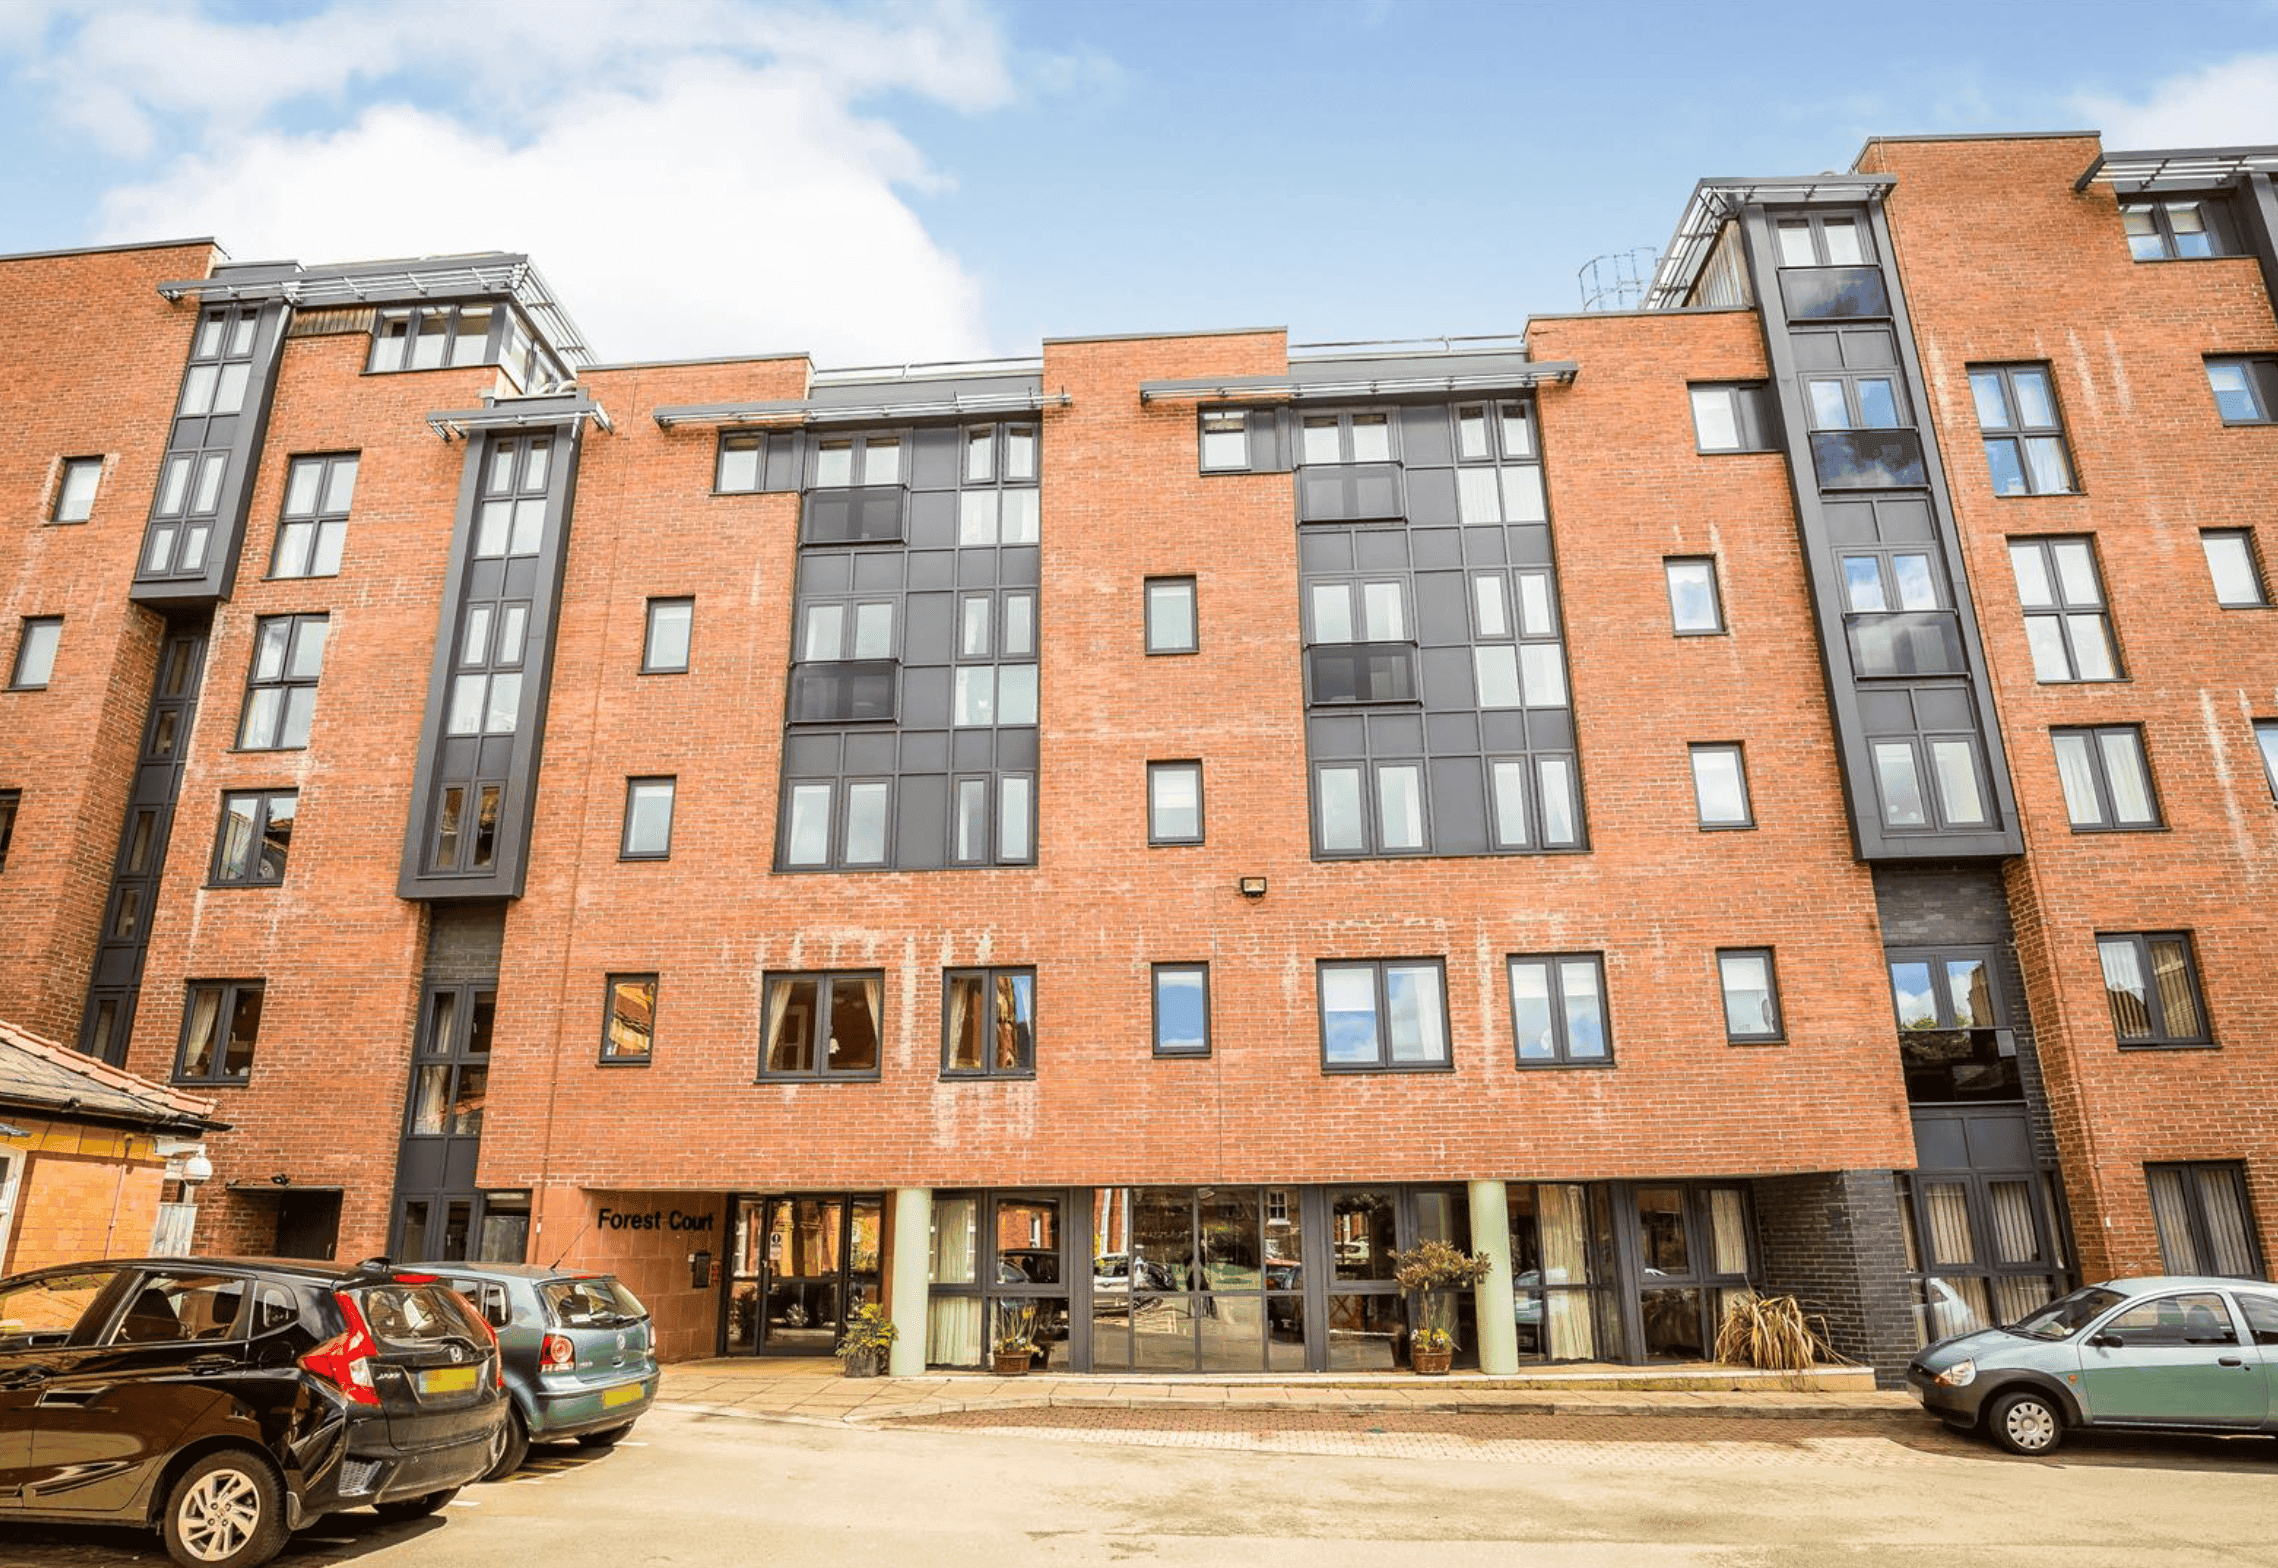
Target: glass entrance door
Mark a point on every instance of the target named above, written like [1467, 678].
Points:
[801, 1264]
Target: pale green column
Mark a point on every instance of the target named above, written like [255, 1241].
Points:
[1491, 1234]
[913, 1229]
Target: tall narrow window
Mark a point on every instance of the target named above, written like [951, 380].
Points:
[2153, 989]
[35, 652]
[1182, 1009]
[1694, 608]
[2204, 1224]
[1171, 615]
[1558, 1010]
[256, 831]
[2107, 783]
[75, 489]
[2024, 438]
[280, 692]
[2236, 573]
[628, 1026]
[2065, 617]
[1380, 1016]
[318, 492]
[10, 800]
[219, 1030]
[1751, 994]
[2266, 739]
[1720, 787]
[1174, 802]
[989, 1023]
[664, 649]
[648, 819]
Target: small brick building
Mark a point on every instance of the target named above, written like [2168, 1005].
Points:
[1767, 790]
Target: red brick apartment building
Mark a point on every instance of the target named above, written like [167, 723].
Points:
[1769, 790]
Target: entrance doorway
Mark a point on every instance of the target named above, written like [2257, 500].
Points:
[802, 1262]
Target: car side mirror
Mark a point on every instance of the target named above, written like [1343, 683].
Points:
[2105, 1341]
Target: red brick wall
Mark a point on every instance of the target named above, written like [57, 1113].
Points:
[2002, 262]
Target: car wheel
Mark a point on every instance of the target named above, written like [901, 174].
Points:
[2025, 1423]
[407, 1508]
[226, 1511]
[608, 1439]
[510, 1448]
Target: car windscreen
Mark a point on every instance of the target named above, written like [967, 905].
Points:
[412, 1317]
[2067, 1315]
[599, 1302]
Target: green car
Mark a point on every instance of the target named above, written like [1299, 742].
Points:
[2170, 1353]
[579, 1352]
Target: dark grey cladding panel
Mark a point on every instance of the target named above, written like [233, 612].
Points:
[864, 394]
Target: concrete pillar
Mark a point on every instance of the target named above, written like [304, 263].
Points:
[906, 1284]
[1491, 1234]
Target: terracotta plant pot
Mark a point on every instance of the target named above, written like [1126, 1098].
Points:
[1013, 1363]
[1430, 1363]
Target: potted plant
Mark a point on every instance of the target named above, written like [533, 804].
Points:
[869, 1335]
[1015, 1342]
[1432, 1271]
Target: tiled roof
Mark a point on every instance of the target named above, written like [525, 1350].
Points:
[41, 1076]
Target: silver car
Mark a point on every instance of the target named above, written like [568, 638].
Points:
[2172, 1353]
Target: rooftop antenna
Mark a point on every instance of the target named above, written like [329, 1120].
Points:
[1617, 280]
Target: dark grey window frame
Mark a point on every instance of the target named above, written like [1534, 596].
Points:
[1155, 975]
[2016, 434]
[822, 1071]
[1720, 627]
[26, 629]
[65, 472]
[649, 635]
[317, 519]
[609, 1056]
[284, 682]
[1779, 1028]
[838, 787]
[1750, 406]
[2266, 742]
[634, 782]
[229, 998]
[1561, 1057]
[1240, 419]
[2063, 608]
[2214, 217]
[1154, 833]
[258, 838]
[2199, 1236]
[1861, 229]
[2161, 1038]
[503, 317]
[1383, 1012]
[11, 803]
[988, 975]
[2260, 373]
[2101, 782]
[1739, 753]
[2254, 572]
[1157, 645]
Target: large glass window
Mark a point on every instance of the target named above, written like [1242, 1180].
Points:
[2024, 437]
[1981, 1248]
[2205, 1226]
[989, 1023]
[318, 492]
[823, 1025]
[2153, 988]
[1562, 1272]
[2065, 616]
[1385, 1015]
[1558, 1010]
[2107, 782]
[280, 694]
[1952, 1042]
[219, 1029]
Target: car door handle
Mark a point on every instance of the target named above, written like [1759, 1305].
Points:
[205, 1366]
[2230, 1361]
[71, 1398]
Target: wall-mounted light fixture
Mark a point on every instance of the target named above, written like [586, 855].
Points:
[1253, 887]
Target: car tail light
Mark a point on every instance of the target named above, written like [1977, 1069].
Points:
[345, 1360]
[557, 1354]
[497, 1356]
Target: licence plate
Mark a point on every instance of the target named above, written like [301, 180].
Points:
[447, 1380]
[625, 1395]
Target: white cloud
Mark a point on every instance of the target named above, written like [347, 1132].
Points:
[696, 179]
[2222, 105]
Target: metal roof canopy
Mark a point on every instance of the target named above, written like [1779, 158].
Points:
[1716, 200]
[521, 413]
[402, 282]
[801, 412]
[1343, 384]
[2184, 168]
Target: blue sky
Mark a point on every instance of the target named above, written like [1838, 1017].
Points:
[886, 182]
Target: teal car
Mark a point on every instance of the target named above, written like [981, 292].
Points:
[2170, 1353]
[579, 1353]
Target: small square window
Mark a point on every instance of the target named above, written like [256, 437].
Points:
[1751, 994]
[2153, 988]
[1174, 802]
[989, 1023]
[1720, 786]
[280, 689]
[1558, 1010]
[35, 653]
[648, 819]
[2236, 573]
[2266, 737]
[822, 1026]
[256, 831]
[219, 1029]
[628, 1026]
[2024, 436]
[2246, 390]
[1387, 1015]
[664, 650]
[1225, 439]
[314, 524]
[2107, 782]
[741, 456]
[1733, 418]
[75, 489]
[1182, 1009]
[1170, 615]
[10, 801]
[1695, 610]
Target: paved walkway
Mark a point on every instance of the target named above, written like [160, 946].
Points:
[813, 1390]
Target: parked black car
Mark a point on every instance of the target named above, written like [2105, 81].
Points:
[227, 1402]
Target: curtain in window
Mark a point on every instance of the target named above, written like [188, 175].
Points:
[953, 1323]
[964, 1025]
[2013, 1238]
[1950, 1240]
[782, 1055]
[1728, 1231]
[2124, 987]
[2176, 1254]
[2178, 1007]
[2226, 1223]
[1565, 1261]
[2014, 1295]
